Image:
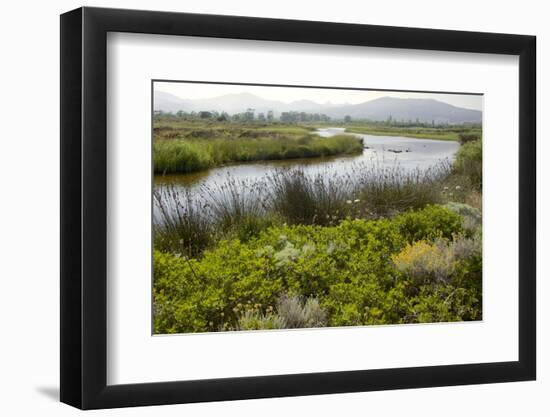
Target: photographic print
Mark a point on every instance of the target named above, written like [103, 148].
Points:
[281, 207]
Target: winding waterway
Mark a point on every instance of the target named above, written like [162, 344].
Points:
[380, 152]
[385, 151]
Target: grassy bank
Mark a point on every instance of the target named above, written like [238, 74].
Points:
[439, 133]
[190, 155]
[182, 146]
[194, 145]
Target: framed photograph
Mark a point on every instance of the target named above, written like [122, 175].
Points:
[259, 208]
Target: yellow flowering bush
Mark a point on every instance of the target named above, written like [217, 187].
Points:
[425, 261]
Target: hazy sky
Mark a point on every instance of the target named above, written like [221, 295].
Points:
[318, 95]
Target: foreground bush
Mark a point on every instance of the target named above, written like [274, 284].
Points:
[290, 313]
[339, 275]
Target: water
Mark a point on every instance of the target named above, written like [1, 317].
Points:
[385, 151]
[408, 154]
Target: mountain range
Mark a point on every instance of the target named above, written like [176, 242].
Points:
[405, 109]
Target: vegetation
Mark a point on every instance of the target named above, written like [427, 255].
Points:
[243, 209]
[461, 133]
[189, 144]
[290, 250]
[347, 262]
[406, 269]
[469, 162]
[185, 146]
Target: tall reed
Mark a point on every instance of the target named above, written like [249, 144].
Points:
[191, 221]
[180, 225]
[303, 199]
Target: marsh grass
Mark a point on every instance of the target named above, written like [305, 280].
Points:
[180, 225]
[181, 156]
[303, 199]
[384, 191]
[243, 209]
[238, 207]
[191, 155]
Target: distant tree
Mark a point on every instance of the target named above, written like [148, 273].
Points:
[289, 116]
[347, 119]
[261, 117]
[249, 115]
[270, 116]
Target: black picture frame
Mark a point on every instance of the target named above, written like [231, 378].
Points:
[84, 207]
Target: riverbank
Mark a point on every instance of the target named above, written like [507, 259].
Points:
[439, 133]
[191, 155]
[185, 146]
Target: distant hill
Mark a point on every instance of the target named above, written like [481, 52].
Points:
[425, 110]
[406, 109]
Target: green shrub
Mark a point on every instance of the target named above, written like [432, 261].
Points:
[469, 162]
[429, 223]
[466, 137]
[337, 276]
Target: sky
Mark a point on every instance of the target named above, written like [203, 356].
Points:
[319, 95]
